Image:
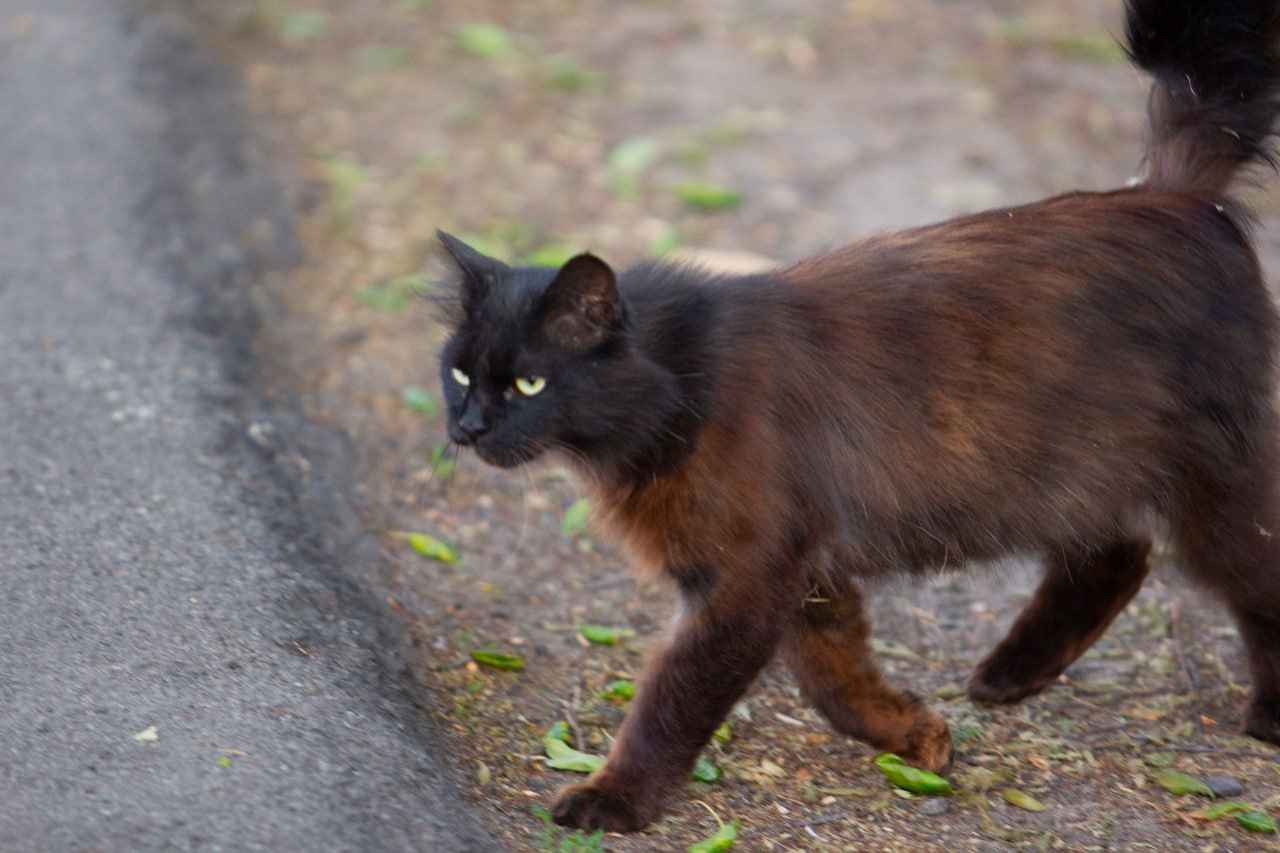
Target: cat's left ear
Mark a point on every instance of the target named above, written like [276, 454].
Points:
[582, 303]
[480, 273]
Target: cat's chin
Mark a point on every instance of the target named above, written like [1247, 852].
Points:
[506, 458]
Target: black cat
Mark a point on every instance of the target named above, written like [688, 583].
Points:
[1037, 379]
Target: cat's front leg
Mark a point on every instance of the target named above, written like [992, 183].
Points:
[719, 644]
[828, 649]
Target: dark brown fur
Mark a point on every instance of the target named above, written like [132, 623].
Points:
[1037, 380]
[1042, 380]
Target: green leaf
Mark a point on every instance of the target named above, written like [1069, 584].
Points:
[1221, 810]
[1256, 822]
[722, 839]
[666, 242]
[302, 26]
[441, 465]
[704, 771]
[564, 757]
[634, 155]
[1180, 783]
[601, 635]
[548, 256]
[619, 691]
[913, 779]
[498, 660]
[1101, 48]
[892, 648]
[429, 547]
[484, 39]
[419, 400]
[574, 519]
[568, 76]
[723, 734]
[1022, 800]
[381, 57]
[702, 195]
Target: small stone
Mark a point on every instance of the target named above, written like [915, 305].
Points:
[1224, 786]
[934, 807]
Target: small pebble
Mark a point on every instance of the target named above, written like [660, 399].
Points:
[934, 806]
[1224, 786]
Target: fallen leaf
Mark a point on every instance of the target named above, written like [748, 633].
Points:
[705, 771]
[429, 547]
[484, 39]
[498, 660]
[722, 839]
[768, 768]
[893, 649]
[1256, 822]
[561, 756]
[619, 691]
[635, 154]
[601, 635]
[418, 399]
[701, 195]
[913, 779]
[574, 520]
[1178, 784]
[147, 735]
[1022, 800]
[846, 792]
[1221, 810]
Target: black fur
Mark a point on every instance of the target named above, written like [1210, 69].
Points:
[1213, 107]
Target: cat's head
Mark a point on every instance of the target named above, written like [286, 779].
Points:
[541, 358]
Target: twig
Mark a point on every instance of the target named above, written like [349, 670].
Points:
[572, 719]
[1231, 753]
[1193, 684]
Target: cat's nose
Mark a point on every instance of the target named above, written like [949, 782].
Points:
[471, 426]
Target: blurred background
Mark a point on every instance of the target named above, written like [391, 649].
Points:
[767, 130]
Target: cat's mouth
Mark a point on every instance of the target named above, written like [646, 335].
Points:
[505, 457]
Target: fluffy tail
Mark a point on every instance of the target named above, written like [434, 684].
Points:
[1214, 100]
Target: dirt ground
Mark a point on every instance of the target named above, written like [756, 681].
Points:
[536, 128]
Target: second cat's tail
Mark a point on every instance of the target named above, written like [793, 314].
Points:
[1214, 102]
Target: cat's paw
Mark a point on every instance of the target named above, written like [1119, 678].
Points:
[1262, 720]
[928, 745]
[1000, 685]
[589, 807]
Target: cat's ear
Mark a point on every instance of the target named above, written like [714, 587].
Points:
[581, 304]
[480, 273]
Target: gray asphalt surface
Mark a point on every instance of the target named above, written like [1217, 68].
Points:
[193, 650]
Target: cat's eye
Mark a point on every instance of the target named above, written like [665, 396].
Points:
[461, 378]
[530, 385]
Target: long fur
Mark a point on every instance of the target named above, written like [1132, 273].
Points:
[1032, 380]
[1213, 107]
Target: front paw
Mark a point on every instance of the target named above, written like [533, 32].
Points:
[928, 744]
[589, 807]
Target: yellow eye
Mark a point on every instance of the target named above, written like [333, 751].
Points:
[461, 378]
[530, 385]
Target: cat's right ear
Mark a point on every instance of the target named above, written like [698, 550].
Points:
[479, 273]
[581, 304]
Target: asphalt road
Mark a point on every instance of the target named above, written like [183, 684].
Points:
[193, 652]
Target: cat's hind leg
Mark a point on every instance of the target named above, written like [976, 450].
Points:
[828, 652]
[1229, 540]
[1081, 593]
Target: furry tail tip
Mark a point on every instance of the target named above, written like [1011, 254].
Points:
[1216, 71]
